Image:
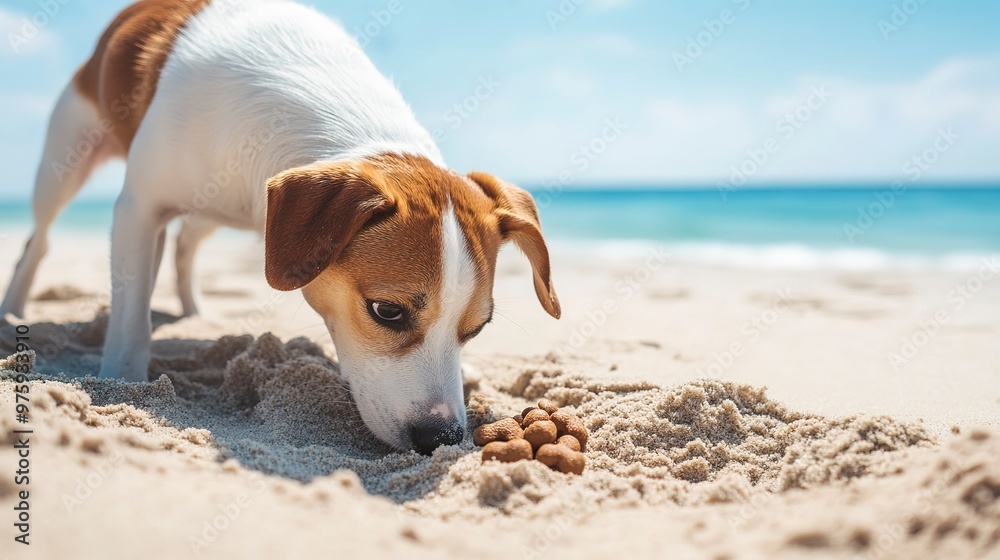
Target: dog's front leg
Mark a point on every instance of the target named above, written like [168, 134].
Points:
[137, 226]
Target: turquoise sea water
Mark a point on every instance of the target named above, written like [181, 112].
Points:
[792, 227]
[788, 227]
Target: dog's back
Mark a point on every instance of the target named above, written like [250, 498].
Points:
[235, 69]
[207, 99]
[121, 76]
[282, 83]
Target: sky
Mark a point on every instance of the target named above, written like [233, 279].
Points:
[580, 93]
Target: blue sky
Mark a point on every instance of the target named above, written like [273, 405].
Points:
[682, 92]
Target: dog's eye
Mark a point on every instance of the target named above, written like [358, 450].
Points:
[388, 314]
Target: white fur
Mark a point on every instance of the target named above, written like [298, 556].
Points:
[194, 230]
[259, 87]
[392, 393]
[252, 88]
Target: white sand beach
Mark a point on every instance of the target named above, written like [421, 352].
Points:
[734, 413]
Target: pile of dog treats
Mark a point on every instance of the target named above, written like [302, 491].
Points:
[551, 436]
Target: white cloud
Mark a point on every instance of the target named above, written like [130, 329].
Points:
[867, 129]
[709, 116]
[571, 83]
[20, 36]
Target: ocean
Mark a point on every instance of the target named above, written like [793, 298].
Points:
[786, 227]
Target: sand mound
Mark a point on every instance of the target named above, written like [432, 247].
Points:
[959, 494]
[281, 409]
[711, 455]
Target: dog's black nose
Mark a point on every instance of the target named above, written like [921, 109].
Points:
[427, 434]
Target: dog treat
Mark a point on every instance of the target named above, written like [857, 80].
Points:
[548, 406]
[507, 451]
[553, 437]
[561, 458]
[539, 433]
[503, 430]
[570, 424]
[569, 441]
[535, 415]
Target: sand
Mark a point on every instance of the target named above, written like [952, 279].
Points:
[248, 445]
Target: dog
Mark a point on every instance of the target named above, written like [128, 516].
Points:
[266, 115]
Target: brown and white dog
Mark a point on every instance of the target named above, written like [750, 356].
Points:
[266, 115]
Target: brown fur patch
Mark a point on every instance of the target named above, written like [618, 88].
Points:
[517, 217]
[397, 257]
[122, 74]
[313, 212]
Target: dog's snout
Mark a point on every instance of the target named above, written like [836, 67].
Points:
[431, 432]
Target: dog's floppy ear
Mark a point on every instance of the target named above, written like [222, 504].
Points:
[517, 216]
[313, 212]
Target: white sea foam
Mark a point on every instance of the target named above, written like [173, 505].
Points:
[785, 256]
[778, 256]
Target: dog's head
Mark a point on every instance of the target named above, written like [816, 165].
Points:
[398, 256]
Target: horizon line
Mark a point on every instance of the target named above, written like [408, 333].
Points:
[684, 186]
